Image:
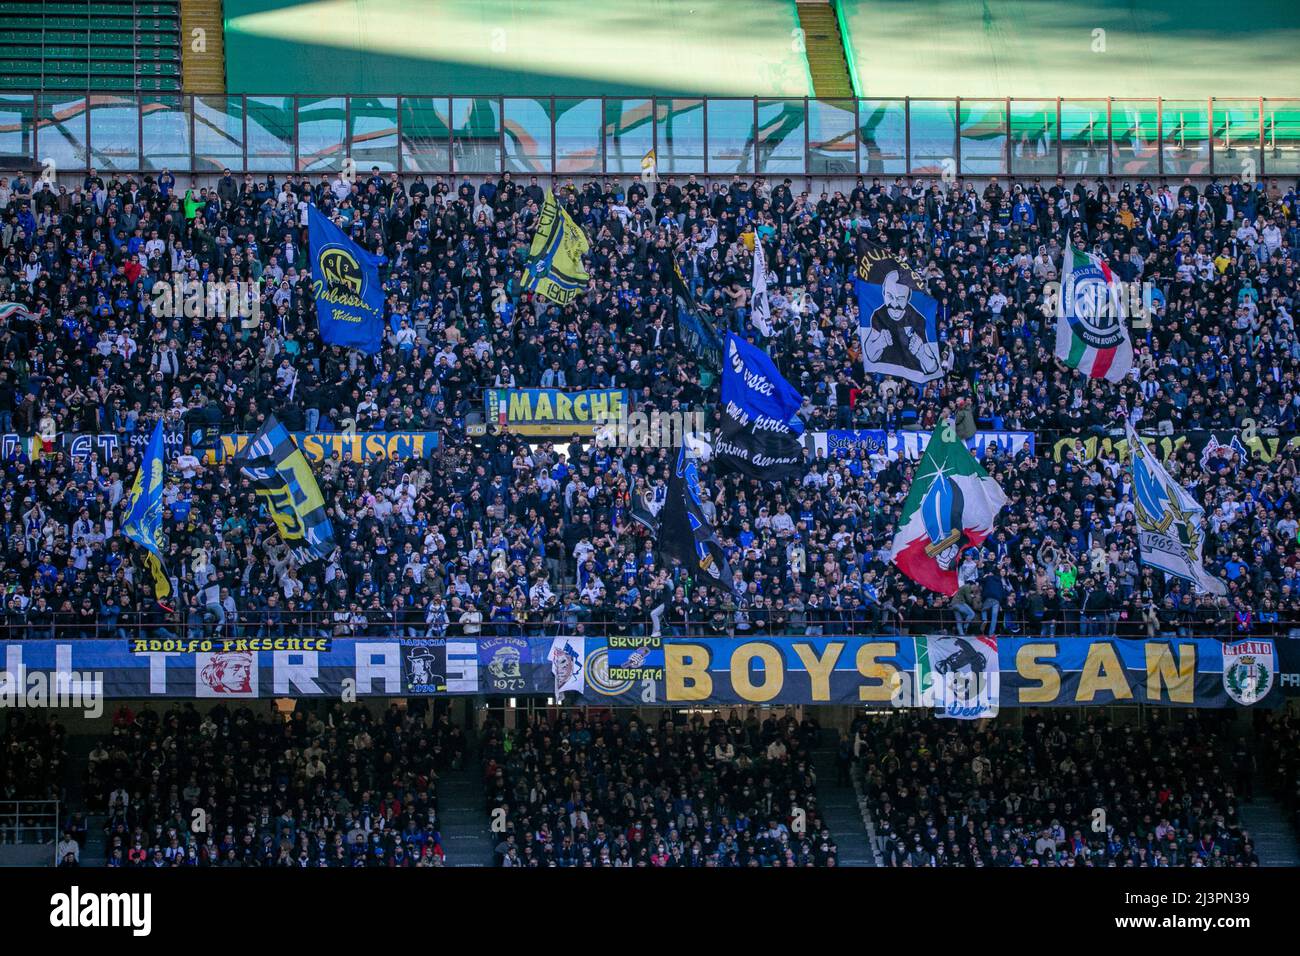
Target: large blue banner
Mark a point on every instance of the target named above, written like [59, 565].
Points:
[759, 423]
[751, 380]
[925, 672]
[345, 285]
[102, 445]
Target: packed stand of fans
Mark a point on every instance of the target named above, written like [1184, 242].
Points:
[325, 787]
[33, 767]
[605, 792]
[999, 793]
[1280, 740]
[495, 536]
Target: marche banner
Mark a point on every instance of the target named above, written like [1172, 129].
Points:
[143, 521]
[760, 424]
[950, 508]
[554, 269]
[345, 286]
[283, 480]
[896, 317]
[1090, 332]
[880, 672]
[1171, 534]
[554, 412]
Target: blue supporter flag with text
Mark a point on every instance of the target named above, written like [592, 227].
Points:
[143, 521]
[345, 284]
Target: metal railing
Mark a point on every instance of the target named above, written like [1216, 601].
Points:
[200, 625]
[599, 136]
[29, 822]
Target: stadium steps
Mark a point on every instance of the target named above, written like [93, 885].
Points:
[841, 811]
[824, 49]
[203, 71]
[1275, 841]
[464, 822]
[95, 852]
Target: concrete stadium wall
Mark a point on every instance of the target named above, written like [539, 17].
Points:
[1050, 48]
[524, 47]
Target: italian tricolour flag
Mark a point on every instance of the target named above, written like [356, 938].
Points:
[949, 509]
[1090, 332]
[13, 310]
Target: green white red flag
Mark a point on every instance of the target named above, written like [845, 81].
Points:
[950, 508]
[1090, 332]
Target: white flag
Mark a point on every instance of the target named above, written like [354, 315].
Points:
[1171, 535]
[760, 309]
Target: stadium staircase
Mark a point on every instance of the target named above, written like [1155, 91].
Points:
[842, 811]
[463, 821]
[204, 69]
[824, 48]
[1275, 841]
[95, 852]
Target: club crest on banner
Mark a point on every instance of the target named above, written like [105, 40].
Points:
[1095, 315]
[341, 271]
[598, 678]
[1248, 669]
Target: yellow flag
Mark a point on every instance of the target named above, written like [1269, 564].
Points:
[555, 270]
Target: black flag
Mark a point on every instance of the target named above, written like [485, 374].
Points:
[642, 511]
[694, 328]
[684, 532]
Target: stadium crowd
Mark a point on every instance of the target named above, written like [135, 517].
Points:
[1280, 760]
[33, 767]
[1057, 789]
[606, 792]
[493, 535]
[328, 787]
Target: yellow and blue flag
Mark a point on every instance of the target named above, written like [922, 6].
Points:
[554, 270]
[345, 285]
[143, 521]
[282, 478]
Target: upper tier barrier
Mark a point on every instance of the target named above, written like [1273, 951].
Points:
[671, 136]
